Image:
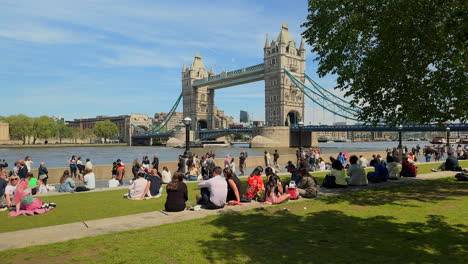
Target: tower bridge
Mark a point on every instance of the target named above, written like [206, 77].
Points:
[283, 73]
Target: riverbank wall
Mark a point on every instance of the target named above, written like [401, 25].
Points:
[103, 172]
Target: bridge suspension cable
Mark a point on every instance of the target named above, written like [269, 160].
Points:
[155, 129]
[317, 95]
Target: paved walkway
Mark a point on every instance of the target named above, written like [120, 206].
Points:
[58, 233]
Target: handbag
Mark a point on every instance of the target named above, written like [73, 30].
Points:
[293, 193]
[329, 181]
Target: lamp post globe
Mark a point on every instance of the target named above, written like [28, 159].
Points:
[187, 122]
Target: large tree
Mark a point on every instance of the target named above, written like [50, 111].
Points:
[106, 129]
[43, 127]
[401, 61]
[20, 127]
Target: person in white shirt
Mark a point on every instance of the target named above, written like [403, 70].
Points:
[113, 182]
[89, 179]
[41, 188]
[10, 191]
[136, 191]
[166, 175]
[213, 191]
[322, 164]
[28, 162]
[363, 162]
[88, 165]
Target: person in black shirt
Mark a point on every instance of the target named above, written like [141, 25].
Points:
[242, 163]
[177, 193]
[155, 162]
[23, 170]
[450, 164]
[234, 186]
[154, 185]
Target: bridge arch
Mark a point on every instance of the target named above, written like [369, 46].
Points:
[202, 124]
[293, 117]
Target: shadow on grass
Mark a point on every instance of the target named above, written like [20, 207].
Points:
[332, 237]
[427, 192]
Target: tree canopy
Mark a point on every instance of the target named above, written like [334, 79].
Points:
[401, 61]
[106, 129]
[43, 127]
[20, 126]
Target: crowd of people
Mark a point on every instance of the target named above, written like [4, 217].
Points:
[219, 184]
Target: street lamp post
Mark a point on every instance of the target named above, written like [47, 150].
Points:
[400, 146]
[448, 138]
[300, 124]
[187, 121]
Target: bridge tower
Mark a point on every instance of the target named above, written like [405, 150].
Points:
[198, 101]
[284, 103]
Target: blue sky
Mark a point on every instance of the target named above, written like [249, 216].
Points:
[86, 58]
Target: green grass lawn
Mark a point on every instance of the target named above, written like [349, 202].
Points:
[424, 222]
[96, 205]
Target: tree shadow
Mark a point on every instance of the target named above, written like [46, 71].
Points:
[426, 192]
[332, 237]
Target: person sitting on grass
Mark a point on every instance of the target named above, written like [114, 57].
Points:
[254, 183]
[274, 191]
[154, 185]
[339, 173]
[307, 186]
[32, 189]
[177, 193]
[407, 168]
[66, 183]
[356, 172]
[193, 173]
[294, 172]
[234, 187]
[213, 191]
[166, 175]
[380, 173]
[450, 164]
[392, 167]
[41, 187]
[136, 190]
[26, 204]
[113, 183]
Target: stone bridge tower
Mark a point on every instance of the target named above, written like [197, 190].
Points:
[198, 101]
[284, 102]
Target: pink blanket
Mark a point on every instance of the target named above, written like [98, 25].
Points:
[30, 212]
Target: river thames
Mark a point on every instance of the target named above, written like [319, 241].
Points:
[58, 156]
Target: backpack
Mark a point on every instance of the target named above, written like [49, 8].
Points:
[329, 181]
[461, 176]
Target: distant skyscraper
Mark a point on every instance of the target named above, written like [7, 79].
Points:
[244, 116]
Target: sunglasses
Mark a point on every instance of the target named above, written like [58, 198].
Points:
[15, 179]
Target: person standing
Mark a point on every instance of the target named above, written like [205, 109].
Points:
[155, 162]
[242, 163]
[43, 173]
[73, 167]
[28, 162]
[22, 170]
[275, 159]
[267, 159]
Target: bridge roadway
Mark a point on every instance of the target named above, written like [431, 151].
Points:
[212, 134]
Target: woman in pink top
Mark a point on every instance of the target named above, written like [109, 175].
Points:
[227, 161]
[254, 183]
[274, 191]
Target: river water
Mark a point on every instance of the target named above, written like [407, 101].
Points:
[58, 156]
